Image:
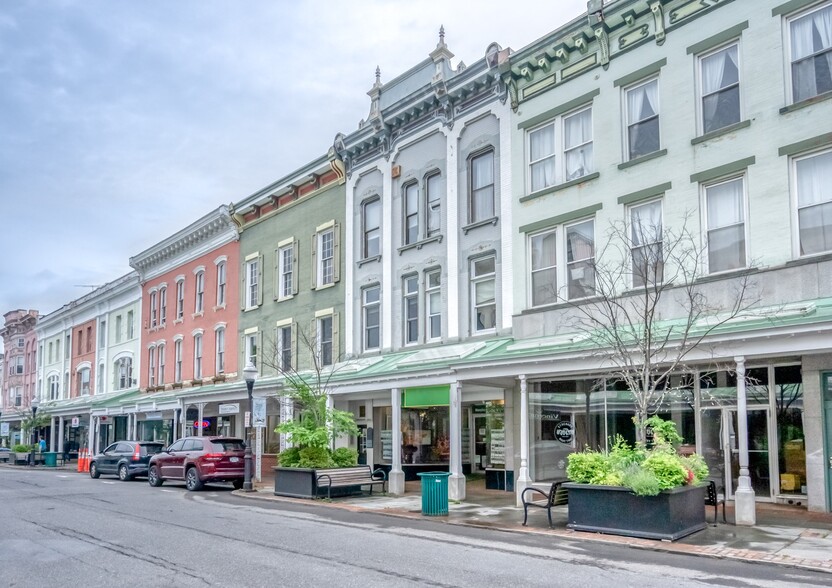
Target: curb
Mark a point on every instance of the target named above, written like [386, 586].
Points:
[713, 552]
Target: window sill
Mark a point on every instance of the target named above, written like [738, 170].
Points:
[726, 275]
[178, 321]
[642, 159]
[478, 224]
[197, 314]
[250, 308]
[325, 286]
[639, 290]
[368, 260]
[562, 305]
[807, 259]
[719, 132]
[558, 187]
[420, 244]
[219, 307]
[807, 102]
[284, 298]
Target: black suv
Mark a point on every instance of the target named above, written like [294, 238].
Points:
[126, 459]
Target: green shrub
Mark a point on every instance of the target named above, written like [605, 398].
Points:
[22, 448]
[622, 454]
[696, 464]
[587, 467]
[642, 482]
[344, 457]
[289, 458]
[315, 457]
[668, 469]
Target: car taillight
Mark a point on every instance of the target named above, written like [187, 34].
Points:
[137, 454]
[214, 456]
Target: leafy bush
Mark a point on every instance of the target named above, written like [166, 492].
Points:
[315, 457]
[345, 457]
[289, 458]
[22, 448]
[646, 471]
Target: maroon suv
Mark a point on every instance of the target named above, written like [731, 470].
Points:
[198, 460]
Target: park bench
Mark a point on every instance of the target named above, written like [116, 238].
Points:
[354, 478]
[713, 499]
[556, 496]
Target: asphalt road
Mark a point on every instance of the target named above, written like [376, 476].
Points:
[62, 528]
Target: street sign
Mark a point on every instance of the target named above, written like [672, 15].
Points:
[259, 410]
[230, 408]
[75, 422]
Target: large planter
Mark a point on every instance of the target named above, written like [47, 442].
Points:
[671, 515]
[295, 482]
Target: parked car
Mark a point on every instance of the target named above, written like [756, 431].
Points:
[126, 459]
[199, 460]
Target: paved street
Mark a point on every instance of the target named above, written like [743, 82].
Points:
[64, 528]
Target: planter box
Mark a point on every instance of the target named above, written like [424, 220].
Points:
[671, 515]
[295, 482]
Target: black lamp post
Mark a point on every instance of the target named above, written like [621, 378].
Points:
[250, 375]
[34, 412]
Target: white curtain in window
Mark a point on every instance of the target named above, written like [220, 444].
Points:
[713, 74]
[646, 224]
[725, 204]
[642, 102]
[578, 133]
[803, 45]
[542, 157]
[814, 180]
[483, 173]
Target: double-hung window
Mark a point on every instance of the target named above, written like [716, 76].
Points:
[813, 179]
[251, 343]
[163, 305]
[154, 317]
[411, 309]
[102, 334]
[160, 351]
[725, 209]
[151, 366]
[411, 213]
[180, 299]
[481, 179]
[811, 52]
[199, 301]
[642, 110]
[285, 271]
[284, 348]
[252, 292]
[198, 357]
[221, 280]
[719, 76]
[84, 381]
[177, 361]
[580, 259]
[54, 387]
[560, 150]
[371, 213]
[372, 317]
[326, 253]
[325, 338]
[433, 304]
[219, 346]
[544, 274]
[124, 371]
[484, 293]
[646, 244]
[433, 199]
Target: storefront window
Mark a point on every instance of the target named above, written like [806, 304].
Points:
[788, 400]
[489, 436]
[156, 431]
[426, 435]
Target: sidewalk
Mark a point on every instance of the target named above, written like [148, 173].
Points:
[784, 535]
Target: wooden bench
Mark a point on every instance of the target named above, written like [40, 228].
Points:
[713, 499]
[556, 496]
[354, 477]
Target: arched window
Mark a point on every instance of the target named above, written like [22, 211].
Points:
[124, 372]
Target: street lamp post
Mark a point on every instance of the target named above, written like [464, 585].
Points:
[250, 375]
[34, 412]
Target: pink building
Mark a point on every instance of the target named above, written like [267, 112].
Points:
[21, 360]
[82, 358]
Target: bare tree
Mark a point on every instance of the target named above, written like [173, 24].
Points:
[645, 311]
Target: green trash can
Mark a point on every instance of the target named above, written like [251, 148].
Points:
[434, 493]
[50, 459]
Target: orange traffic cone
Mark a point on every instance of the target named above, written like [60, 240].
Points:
[86, 460]
[80, 461]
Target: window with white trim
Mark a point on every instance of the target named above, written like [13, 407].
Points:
[326, 257]
[642, 115]
[54, 384]
[20, 342]
[725, 212]
[560, 150]
[221, 279]
[102, 334]
[433, 304]
[180, 299]
[484, 294]
[411, 213]
[433, 203]
[18, 365]
[99, 380]
[324, 338]
[371, 226]
[810, 52]
[151, 366]
[481, 180]
[197, 357]
[284, 348]
[154, 316]
[124, 372]
[410, 310]
[286, 271]
[177, 361]
[646, 234]
[163, 305]
[543, 267]
[719, 88]
[131, 327]
[199, 302]
[220, 350]
[119, 326]
[251, 341]
[372, 316]
[813, 183]
[84, 381]
[580, 259]
[252, 292]
[160, 351]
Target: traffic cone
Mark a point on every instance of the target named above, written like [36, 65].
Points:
[80, 461]
[86, 460]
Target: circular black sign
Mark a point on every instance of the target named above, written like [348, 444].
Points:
[563, 432]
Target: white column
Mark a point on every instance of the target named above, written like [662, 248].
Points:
[387, 254]
[60, 435]
[52, 434]
[456, 483]
[523, 478]
[507, 233]
[330, 405]
[452, 224]
[348, 251]
[745, 505]
[395, 484]
[287, 409]
[200, 407]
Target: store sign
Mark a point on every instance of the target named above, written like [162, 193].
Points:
[230, 408]
[424, 396]
[76, 422]
[498, 447]
[152, 416]
[258, 408]
[4, 429]
[564, 432]
[202, 425]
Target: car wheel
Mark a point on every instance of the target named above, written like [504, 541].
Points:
[153, 477]
[94, 473]
[237, 484]
[192, 481]
[123, 473]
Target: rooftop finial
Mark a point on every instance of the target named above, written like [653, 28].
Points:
[378, 75]
[441, 34]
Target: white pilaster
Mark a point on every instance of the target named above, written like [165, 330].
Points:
[60, 435]
[395, 483]
[506, 224]
[745, 505]
[386, 257]
[456, 483]
[523, 479]
[452, 224]
[200, 407]
[348, 251]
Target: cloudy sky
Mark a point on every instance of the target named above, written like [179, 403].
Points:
[122, 122]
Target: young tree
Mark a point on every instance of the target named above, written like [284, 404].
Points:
[645, 311]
